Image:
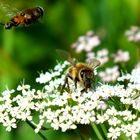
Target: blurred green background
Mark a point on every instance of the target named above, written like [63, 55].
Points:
[25, 51]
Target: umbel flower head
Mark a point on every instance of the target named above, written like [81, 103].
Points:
[116, 105]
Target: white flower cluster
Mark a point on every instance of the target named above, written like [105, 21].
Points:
[117, 105]
[102, 56]
[133, 34]
[110, 74]
[134, 77]
[121, 56]
[87, 42]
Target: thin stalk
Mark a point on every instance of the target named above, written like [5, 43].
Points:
[104, 130]
[137, 112]
[127, 106]
[77, 131]
[39, 133]
[123, 67]
[97, 131]
[138, 54]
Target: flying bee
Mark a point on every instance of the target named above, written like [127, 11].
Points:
[25, 17]
[80, 72]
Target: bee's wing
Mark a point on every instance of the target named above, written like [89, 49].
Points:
[7, 10]
[12, 13]
[66, 55]
[94, 63]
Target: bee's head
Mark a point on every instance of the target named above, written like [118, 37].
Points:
[8, 25]
[40, 10]
[86, 76]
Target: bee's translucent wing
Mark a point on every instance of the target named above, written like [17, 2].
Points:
[13, 12]
[94, 63]
[66, 55]
[7, 10]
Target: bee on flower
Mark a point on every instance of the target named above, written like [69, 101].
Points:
[79, 72]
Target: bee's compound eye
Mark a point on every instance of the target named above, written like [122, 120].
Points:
[8, 25]
[40, 10]
[82, 73]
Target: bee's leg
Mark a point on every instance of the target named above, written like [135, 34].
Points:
[94, 83]
[84, 90]
[28, 21]
[65, 83]
[75, 83]
[94, 86]
[9, 25]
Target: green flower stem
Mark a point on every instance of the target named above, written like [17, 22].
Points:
[97, 131]
[137, 113]
[138, 54]
[121, 67]
[77, 131]
[127, 106]
[39, 133]
[104, 130]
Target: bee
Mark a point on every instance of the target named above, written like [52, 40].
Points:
[25, 17]
[80, 72]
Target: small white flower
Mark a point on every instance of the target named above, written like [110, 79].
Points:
[44, 78]
[90, 56]
[102, 55]
[136, 103]
[121, 56]
[10, 123]
[100, 119]
[133, 34]
[55, 124]
[131, 131]
[126, 100]
[114, 121]
[87, 42]
[56, 73]
[57, 67]
[101, 105]
[23, 88]
[114, 133]
[110, 74]
[127, 115]
[39, 126]
[112, 111]
[7, 93]
[124, 77]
